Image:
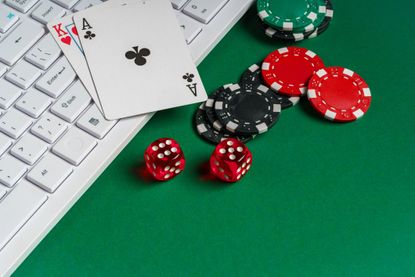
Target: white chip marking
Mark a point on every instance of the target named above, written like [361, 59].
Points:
[253, 68]
[322, 9]
[231, 126]
[276, 108]
[217, 125]
[312, 16]
[311, 54]
[321, 72]
[265, 66]
[287, 26]
[294, 100]
[269, 32]
[276, 86]
[283, 50]
[262, 88]
[329, 13]
[298, 36]
[309, 28]
[262, 128]
[218, 105]
[348, 72]
[263, 14]
[366, 92]
[209, 103]
[201, 128]
[311, 94]
[358, 113]
[234, 87]
[330, 115]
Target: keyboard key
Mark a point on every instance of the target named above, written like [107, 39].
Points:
[5, 143]
[49, 128]
[44, 53]
[190, 27]
[94, 123]
[23, 74]
[85, 4]
[57, 79]
[16, 209]
[11, 170]
[178, 4]
[7, 19]
[34, 103]
[203, 10]
[14, 123]
[8, 94]
[74, 146]
[21, 39]
[21, 5]
[67, 4]
[48, 11]
[29, 149]
[50, 172]
[72, 103]
[3, 69]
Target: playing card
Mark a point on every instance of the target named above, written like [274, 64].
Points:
[138, 59]
[64, 32]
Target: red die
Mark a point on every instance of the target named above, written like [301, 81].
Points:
[230, 160]
[164, 159]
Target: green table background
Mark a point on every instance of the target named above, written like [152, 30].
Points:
[321, 199]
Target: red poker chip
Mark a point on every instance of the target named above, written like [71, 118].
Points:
[288, 70]
[339, 94]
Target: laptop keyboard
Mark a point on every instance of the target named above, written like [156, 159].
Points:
[48, 122]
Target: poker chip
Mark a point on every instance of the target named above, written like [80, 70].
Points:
[247, 112]
[339, 94]
[252, 77]
[294, 36]
[288, 36]
[326, 22]
[205, 130]
[292, 15]
[210, 111]
[288, 70]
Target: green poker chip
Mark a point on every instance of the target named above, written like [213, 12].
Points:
[292, 15]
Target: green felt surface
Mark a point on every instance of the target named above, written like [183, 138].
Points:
[321, 199]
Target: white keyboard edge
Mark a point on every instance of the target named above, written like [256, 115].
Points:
[83, 177]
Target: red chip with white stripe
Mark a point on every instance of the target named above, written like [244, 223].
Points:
[289, 69]
[339, 94]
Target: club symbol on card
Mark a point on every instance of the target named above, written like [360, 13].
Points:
[89, 35]
[188, 77]
[190, 85]
[138, 56]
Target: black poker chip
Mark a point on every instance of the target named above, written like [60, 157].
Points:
[210, 111]
[252, 77]
[247, 112]
[205, 130]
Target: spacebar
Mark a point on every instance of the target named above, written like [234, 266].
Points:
[17, 208]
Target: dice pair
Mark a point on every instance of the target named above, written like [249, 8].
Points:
[229, 162]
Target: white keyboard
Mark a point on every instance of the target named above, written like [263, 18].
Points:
[54, 142]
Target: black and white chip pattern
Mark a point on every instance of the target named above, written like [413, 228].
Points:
[252, 77]
[247, 112]
[205, 130]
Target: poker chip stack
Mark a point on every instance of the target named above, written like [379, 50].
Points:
[254, 105]
[295, 20]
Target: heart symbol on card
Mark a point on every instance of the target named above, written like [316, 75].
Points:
[67, 40]
[74, 30]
